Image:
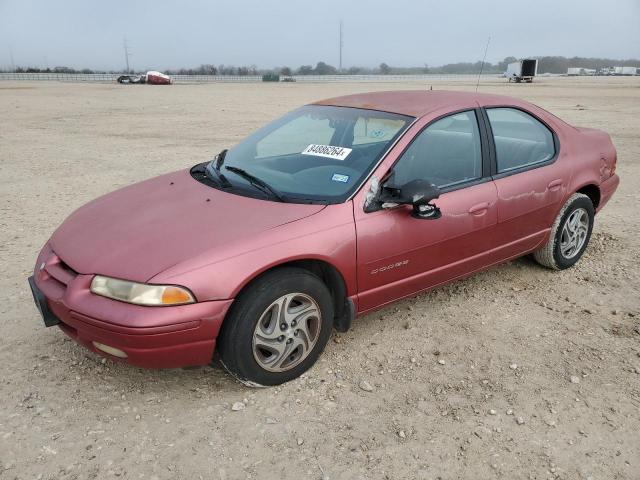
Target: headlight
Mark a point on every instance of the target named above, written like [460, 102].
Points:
[140, 293]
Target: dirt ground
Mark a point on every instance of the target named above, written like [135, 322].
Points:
[472, 380]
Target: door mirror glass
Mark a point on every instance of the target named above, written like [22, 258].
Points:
[418, 193]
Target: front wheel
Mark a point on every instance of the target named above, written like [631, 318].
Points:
[277, 328]
[569, 235]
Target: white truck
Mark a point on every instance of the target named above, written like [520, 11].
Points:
[522, 71]
[574, 71]
[624, 70]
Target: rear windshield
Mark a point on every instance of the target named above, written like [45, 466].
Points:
[315, 153]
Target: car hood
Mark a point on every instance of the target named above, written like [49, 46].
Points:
[143, 229]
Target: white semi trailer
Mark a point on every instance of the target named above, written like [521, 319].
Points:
[624, 70]
[522, 71]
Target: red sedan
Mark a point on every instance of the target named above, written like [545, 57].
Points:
[335, 209]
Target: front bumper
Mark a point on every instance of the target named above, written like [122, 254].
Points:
[151, 337]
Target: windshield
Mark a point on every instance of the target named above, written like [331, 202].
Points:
[313, 154]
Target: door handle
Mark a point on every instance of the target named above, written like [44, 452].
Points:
[555, 184]
[479, 209]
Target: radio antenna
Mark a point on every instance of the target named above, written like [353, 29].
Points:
[486, 49]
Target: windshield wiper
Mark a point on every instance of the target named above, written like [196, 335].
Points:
[212, 170]
[257, 182]
[219, 159]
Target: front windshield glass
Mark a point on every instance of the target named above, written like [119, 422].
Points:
[315, 153]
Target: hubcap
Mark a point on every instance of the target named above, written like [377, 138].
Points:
[574, 233]
[286, 332]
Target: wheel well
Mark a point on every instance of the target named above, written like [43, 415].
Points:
[330, 276]
[593, 192]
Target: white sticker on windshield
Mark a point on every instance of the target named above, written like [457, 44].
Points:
[329, 151]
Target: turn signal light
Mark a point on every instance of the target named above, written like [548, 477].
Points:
[175, 295]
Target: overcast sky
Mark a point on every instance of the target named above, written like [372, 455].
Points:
[171, 33]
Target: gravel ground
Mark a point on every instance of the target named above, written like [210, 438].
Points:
[517, 372]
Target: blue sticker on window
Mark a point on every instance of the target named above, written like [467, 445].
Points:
[338, 177]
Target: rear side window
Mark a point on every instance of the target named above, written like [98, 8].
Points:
[520, 139]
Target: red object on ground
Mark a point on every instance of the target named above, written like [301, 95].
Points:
[157, 78]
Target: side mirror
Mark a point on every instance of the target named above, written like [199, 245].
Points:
[419, 193]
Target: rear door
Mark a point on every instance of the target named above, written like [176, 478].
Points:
[398, 254]
[529, 183]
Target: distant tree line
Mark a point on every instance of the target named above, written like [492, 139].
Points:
[545, 65]
[209, 69]
[560, 64]
[53, 70]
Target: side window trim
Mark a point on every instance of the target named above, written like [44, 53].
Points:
[486, 136]
[492, 146]
[485, 149]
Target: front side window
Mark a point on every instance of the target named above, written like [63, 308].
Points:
[520, 139]
[446, 153]
[315, 153]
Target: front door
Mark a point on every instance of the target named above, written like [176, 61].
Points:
[399, 255]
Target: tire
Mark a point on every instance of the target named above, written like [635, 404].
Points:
[252, 344]
[558, 253]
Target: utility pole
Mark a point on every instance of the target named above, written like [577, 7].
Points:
[13, 63]
[341, 45]
[126, 54]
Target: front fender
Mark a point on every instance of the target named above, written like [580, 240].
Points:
[221, 274]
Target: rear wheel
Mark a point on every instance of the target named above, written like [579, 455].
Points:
[570, 234]
[277, 328]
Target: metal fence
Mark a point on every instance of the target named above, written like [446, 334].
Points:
[111, 77]
[61, 77]
[394, 78]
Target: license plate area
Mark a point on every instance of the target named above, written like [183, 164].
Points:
[48, 316]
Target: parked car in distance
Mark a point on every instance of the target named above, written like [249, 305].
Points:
[336, 209]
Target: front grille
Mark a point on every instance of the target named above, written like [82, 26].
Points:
[58, 270]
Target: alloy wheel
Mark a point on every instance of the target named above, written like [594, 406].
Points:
[574, 233]
[286, 332]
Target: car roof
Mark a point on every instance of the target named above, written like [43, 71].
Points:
[418, 103]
